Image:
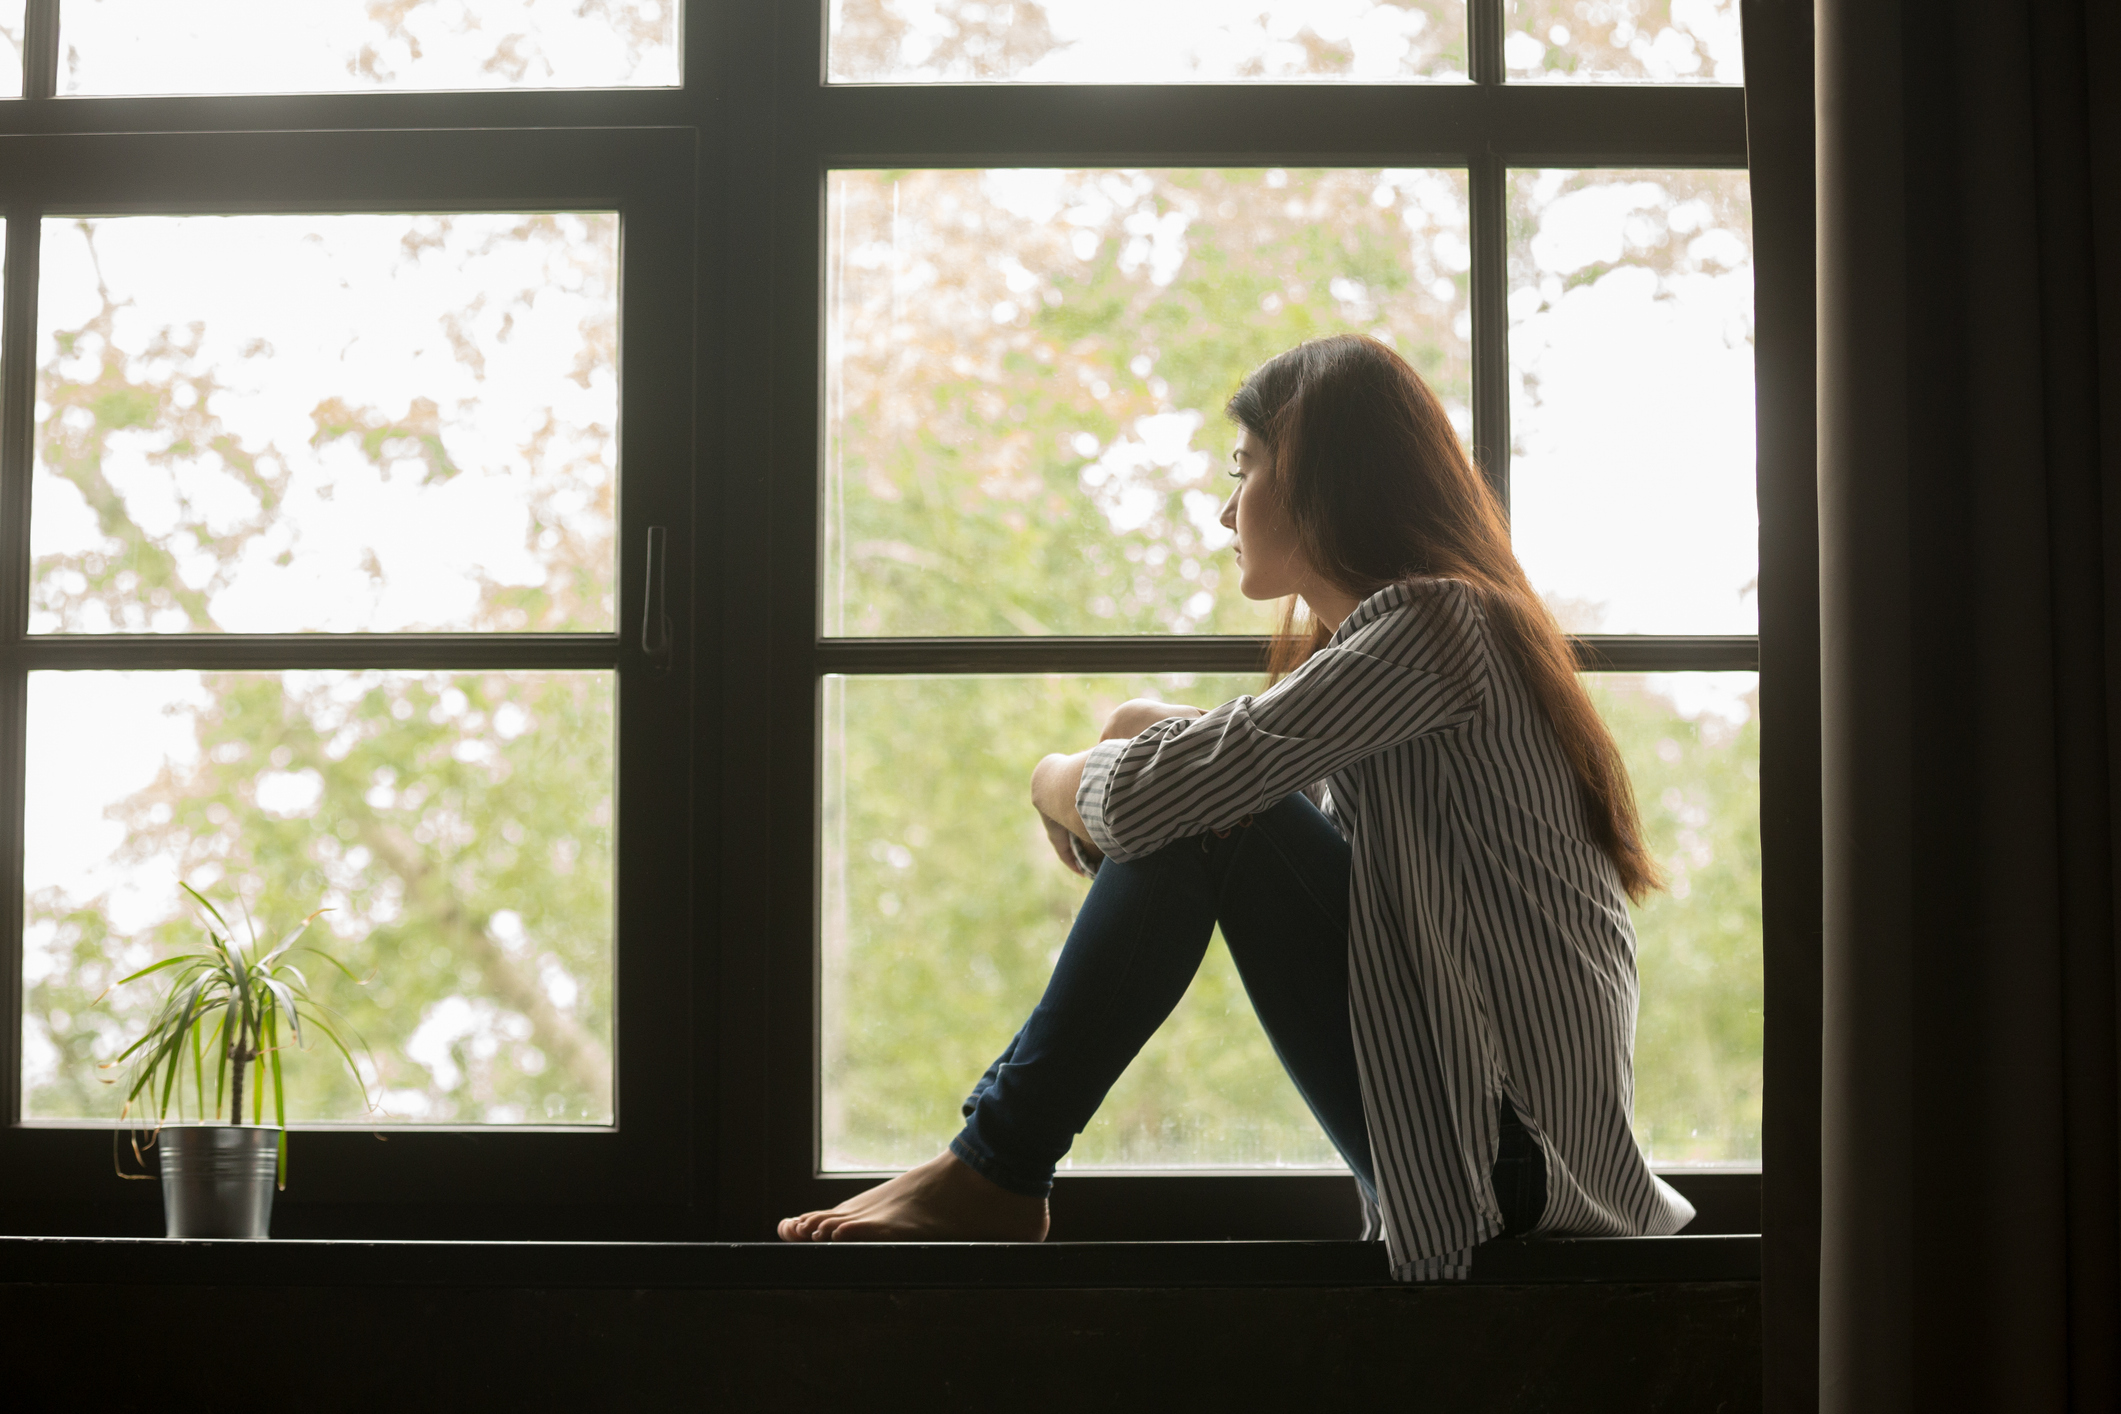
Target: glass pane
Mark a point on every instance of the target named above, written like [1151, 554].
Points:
[943, 911]
[1631, 357]
[346, 46]
[1171, 41]
[944, 908]
[1623, 41]
[458, 825]
[1692, 745]
[278, 424]
[11, 14]
[1026, 372]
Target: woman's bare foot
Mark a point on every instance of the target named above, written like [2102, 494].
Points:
[943, 1200]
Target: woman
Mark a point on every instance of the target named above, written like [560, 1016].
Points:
[1419, 841]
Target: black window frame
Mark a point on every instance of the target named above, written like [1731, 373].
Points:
[396, 153]
[1486, 126]
[717, 1133]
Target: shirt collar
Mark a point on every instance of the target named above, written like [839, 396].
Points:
[1392, 596]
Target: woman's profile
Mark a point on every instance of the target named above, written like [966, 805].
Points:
[1419, 842]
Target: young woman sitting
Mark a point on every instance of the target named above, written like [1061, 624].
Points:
[1419, 842]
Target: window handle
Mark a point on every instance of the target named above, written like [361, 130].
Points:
[657, 640]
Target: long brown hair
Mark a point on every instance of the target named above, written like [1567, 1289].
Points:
[1378, 490]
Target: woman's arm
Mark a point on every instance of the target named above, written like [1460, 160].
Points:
[1057, 779]
[1386, 684]
[1054, 782]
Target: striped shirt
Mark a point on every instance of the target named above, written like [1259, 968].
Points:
[1490, 951]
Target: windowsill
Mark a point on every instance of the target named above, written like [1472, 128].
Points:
[770, 1265]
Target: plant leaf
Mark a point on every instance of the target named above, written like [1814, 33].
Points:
[357, 981]
[289, 941]
[205, 905]
[155, 967]
[287, 1003]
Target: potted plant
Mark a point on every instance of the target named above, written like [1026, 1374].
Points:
[226, 1009]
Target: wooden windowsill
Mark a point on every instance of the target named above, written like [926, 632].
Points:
[762, 1266]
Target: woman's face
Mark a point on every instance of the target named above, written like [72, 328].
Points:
[1267, 554]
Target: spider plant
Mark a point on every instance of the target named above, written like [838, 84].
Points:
[229, 1001]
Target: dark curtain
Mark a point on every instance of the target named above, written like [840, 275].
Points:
[1970, 577]
[1779, 151]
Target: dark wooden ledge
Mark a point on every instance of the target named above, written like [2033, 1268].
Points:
[770, 1266]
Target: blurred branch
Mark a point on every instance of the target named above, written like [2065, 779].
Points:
[562, 1038]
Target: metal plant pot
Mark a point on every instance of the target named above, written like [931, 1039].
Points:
[217, 1179]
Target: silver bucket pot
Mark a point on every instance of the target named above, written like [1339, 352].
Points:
[217, 1179]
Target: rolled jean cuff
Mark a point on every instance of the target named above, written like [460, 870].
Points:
[975, 1157]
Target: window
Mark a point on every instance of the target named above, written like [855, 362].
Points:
[355, 358]
[1024, 359]
[332, 458]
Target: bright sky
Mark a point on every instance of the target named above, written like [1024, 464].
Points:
[298, 310]
[1212, 41]
[1204, 41]
[11, 47]
[310, 46]
[1632, 488]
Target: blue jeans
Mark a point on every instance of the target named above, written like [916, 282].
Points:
[1277, 882]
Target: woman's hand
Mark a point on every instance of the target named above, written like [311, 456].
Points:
[1064, 845]
[1130, 719]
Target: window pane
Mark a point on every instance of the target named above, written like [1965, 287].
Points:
[1171, 41]
[260, 424]
[1692, 745]
[1631, 356]
[1026, 371]
[1623, 41]
[341, 46]
[11, 13]
[944, 908]
[458, 825]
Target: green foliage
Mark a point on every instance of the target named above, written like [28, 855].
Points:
[1027, 431]
[972, 488]
[461, 825]
[944, 910]
[1698, 1038]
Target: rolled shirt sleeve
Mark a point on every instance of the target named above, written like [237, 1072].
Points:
[1103, 760]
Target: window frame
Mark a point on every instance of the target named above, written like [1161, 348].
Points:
[726, 1119]
[627, 1179]
[1486, 126]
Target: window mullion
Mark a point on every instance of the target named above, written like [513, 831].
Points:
[1484, 40]
[1489, 183]
[1215, 653]
[40, 49]
[18, 396]
[18, 382]
[277, 652]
